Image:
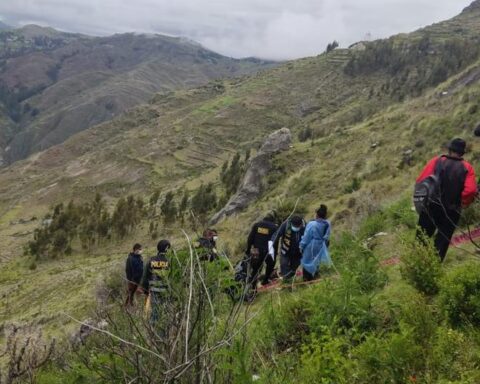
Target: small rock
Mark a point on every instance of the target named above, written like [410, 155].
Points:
[419, 143]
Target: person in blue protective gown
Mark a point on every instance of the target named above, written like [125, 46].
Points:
[314, 245]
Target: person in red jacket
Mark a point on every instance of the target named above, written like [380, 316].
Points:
[458, 189]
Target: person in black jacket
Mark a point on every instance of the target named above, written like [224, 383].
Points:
[457, 190]
[155, 279]
[206, 246]
[257, 249]
[134, 272]
[290, 233]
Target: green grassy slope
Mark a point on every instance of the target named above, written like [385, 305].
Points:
[362, 131]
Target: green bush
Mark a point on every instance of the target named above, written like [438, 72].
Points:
[353, 259]
[401, 214]
[393, 359]
[342, 309]
[322, 361]
[452, 356]
[280, 328]
[421, 267]
[286, 207]
[470, 215]
[459, 296]
[402, 305]
[372, 225]
[354, 185]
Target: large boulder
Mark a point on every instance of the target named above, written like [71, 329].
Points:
[254, 179]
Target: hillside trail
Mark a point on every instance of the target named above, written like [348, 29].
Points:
[392, 261]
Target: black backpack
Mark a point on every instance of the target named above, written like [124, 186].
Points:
[428, 190]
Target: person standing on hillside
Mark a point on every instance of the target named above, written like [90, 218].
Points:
[314, 244]
[155, 280]
[206, 246]
[452, 182]
[134, 273]
[290, 233]
[257, 249]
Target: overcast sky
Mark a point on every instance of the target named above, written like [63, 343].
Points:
[273, 29]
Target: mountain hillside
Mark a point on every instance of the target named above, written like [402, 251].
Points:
[182, 135]
[56, 84]
[365, 118]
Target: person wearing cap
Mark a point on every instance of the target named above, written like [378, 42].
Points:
[155, 279]
[457, 187]
[257, 249]
[288, 237]
[133, 272]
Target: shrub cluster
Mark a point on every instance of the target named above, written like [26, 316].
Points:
[89, 222]
[413, 66]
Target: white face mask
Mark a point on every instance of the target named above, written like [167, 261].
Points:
[140, 251]
[215, 238]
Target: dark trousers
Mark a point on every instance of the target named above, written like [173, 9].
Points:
[289, 265]
[441, 223]
[307, 276]
[256, 268]
[131, 289]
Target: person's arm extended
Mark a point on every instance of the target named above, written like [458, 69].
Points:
[251, 237]
[278, 235]
[147, 274]
[470, 186]
[307, 236]
[137, 272]
[328, 231]
[128, 268]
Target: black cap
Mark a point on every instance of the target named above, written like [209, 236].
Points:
[296, 221]
[476, 132]
[163, 246]
[271, 216]
[458, 146]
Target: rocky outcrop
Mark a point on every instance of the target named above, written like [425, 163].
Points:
[472, 7]
[86, 329]
[258, 168]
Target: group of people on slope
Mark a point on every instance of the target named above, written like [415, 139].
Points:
[297, 244]
[149, 278]
[450, 185]
[152, 277]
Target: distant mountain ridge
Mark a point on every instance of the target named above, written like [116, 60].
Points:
[55, 84]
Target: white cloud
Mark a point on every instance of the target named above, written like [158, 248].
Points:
[277, 29]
